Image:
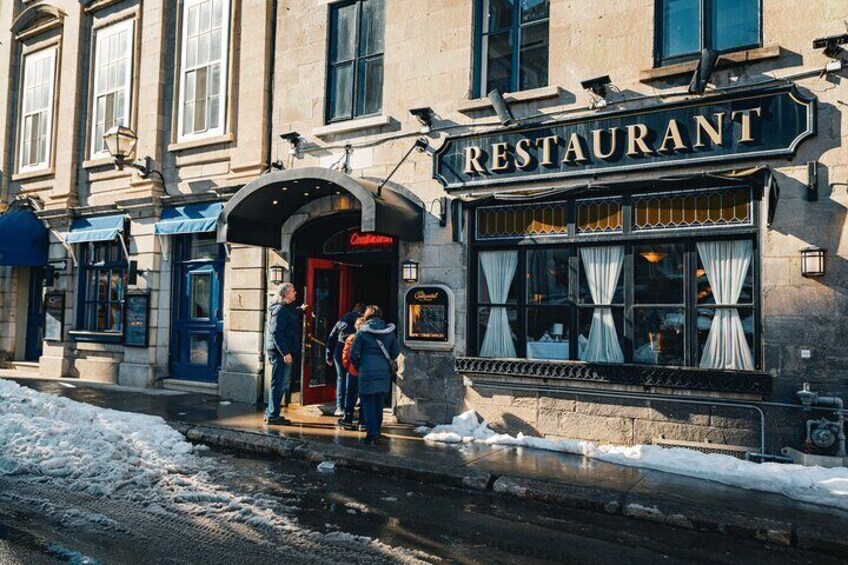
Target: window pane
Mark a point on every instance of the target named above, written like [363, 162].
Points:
[116, 286]
[114, 317]
[372, 28]
[586, 317]
[204, 247]
[343, 33]
[199, 353]
[499, 62]
[547, 333]
[658, 274]
[369, 97]
[659, 336]
[201, 295]
[735, 23]
[585, 294]
[547, 276]
[501, 14]
[705, 323]
[533, 10]
[681, 27]
[497, 283]
[503, 342]
[341, 91]
[533, 57]
[705, 291]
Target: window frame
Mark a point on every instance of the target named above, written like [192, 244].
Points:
[36, 56]
[354, 62]
[630, 239]
[129, 87]
[225, 61]
[116, 262]
[481, 55]
[705, 32]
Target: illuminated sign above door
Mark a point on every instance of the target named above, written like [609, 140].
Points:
[754, 124]
[351, 241]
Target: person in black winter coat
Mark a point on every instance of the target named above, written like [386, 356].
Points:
[335, 345]
[375, 374]
[282, 343]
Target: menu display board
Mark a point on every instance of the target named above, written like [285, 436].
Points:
[137, 318]
[429, 317]
[54, 316]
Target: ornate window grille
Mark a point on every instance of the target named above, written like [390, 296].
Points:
[692, 210]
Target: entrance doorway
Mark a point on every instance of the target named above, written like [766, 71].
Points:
[35, 316]
[336, 273]
[196, 331]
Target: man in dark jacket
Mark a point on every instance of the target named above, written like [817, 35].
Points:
[375, 372]
[282, 343]
[335, 345]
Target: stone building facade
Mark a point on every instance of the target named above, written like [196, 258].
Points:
[317, 97]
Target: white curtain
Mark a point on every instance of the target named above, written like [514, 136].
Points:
[498, 270]
[726, 264]
[603, 267]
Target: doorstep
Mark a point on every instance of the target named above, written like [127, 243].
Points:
[190, 386]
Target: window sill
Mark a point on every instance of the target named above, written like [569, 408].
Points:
[725, 60]
[348, 126]
[98, 162]
[29, 175]
[543, 93]
[202, 142]
[96, 337]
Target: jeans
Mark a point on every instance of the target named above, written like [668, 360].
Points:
[280, 378]
[351, 394]
[372, 413]
[341, 378]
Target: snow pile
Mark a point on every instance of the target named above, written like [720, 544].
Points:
[139, 458]
[817, 485]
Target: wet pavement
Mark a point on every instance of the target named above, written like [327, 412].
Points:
[200, 409]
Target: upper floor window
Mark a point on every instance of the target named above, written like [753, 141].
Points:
[112, 81]
[685, 27]
[37, 110]
[513, 45]
[355, 70]
[203, 68]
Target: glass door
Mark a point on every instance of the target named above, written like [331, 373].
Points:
[35, 316]
[196, 336]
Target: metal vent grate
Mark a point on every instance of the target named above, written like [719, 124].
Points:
[737, 451]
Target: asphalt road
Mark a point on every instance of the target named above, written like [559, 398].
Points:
[42, 524]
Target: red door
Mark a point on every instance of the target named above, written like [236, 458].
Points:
[328, 292]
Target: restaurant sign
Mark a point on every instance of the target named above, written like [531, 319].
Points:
[765, 123]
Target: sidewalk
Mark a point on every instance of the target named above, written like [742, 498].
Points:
[557, 478]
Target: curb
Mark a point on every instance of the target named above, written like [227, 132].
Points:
[819, 536]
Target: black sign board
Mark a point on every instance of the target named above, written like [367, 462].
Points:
[427, 314]
[744, 125]
[54, 316]
[136, 318]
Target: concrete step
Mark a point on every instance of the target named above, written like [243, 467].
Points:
[190, 386]
[28, 367]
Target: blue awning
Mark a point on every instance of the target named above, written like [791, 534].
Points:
[191, 218]
[23, 239]
[103, 228]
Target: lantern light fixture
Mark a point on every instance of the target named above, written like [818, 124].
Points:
[409, 270]
[277, 274]
[121, 143]
[812, 261]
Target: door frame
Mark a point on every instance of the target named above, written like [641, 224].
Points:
[33, 344]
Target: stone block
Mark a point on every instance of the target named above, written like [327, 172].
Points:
[240, 387]
[557, 403]
[613, 408]
[244, 257]
[97, 369]
[236, 362]
[54, 367]
[243, 342]
[596, 428]
[547, 421]
[245, 299]
[135, 375]
[250, 279]
[732, 417]
[247, 320]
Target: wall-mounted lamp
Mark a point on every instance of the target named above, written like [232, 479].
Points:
[831, 45]
[294, 139]
[277, 274]
[425, 116]
[501, 109]
[409, 269]
[703, 71]
[443, 209]
[598, 87]
[812, 261]
[120, 143]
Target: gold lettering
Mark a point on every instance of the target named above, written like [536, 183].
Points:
[672, 134]
[746, 136]
[574, 150]
[522, 153]
[597, 144]
[547, 144]
[473, 154]
[499, 157]
[703, 125]
[636, 135]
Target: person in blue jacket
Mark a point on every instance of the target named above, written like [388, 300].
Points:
[374, 367]
[335, 345]
[282, 341]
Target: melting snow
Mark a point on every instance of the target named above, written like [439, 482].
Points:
[817, 485]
